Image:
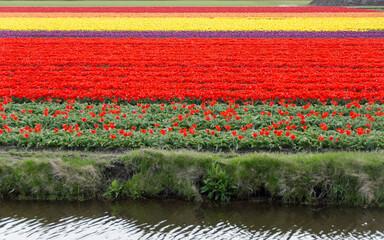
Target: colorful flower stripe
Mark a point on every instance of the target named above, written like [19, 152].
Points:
[183, 9]
[117, 62]
[192, 68]
[189, 34]
[191, 15]
[192, 24]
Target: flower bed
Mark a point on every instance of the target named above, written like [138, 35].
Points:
[243, 81]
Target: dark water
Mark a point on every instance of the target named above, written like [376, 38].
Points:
[185, 220]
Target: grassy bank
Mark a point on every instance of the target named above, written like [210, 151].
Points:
[176, 3]
[326, 178]
[378, 8]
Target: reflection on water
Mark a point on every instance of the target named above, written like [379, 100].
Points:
[184, 220]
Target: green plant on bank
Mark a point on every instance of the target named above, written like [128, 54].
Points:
[218, 184]
[119, 190]
[136, 195]
[115, 190]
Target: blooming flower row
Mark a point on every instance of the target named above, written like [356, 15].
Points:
[273, 94]
[193, 24]
[191, 14]
[184, 9]
[191, 34]
[134, 69]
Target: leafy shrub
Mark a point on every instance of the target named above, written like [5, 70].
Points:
[218, 184]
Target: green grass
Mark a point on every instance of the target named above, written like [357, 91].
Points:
[342, 178]
[176, 3]
[378, 8]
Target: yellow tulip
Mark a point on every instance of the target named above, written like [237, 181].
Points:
[193, 24]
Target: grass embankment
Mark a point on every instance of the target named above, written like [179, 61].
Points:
[144, 3]
[326, 178]
[377, 8]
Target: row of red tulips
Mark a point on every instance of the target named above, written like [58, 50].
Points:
[133, 69]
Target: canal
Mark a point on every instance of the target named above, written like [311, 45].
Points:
[153, 219]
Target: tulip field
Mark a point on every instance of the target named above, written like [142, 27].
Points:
[204, 78]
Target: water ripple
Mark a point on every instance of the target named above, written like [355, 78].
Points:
[181, 220]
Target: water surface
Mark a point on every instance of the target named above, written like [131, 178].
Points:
[152, 219]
